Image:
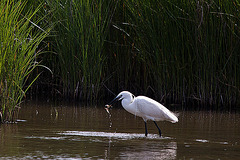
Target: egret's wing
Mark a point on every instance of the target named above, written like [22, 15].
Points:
[151, 109]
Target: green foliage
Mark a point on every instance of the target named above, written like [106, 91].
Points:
[190, 49]
[180, 51]
[81, 27]
[19, 40]
[176, 51]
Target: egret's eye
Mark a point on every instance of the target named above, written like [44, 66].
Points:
[133, 96]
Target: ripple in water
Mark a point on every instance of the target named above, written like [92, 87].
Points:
[112, 135]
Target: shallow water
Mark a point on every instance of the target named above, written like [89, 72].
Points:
[46, 131]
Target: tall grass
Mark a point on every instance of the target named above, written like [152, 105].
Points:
[176, 51]
[190, 49]
[19, 40]
[81, 28]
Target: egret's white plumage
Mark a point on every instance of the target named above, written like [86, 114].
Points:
[146, 108]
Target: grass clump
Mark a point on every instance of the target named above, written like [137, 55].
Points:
[81, 28]
[189, 50]
[175, 51]
[19, 40]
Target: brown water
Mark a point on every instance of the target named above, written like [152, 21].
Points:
[76, 132]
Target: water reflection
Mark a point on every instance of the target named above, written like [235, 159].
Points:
[75, 132]
[152, 147]
[151, 151]
[8, 139]
[122, 136]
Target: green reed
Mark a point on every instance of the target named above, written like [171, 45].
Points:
[176, 51]
[81, 27]
[189, 48]
[19, 40]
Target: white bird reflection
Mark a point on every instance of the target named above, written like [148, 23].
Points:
[133, 145]
[160, 151]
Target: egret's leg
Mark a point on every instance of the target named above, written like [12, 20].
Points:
[146, 132]
[159, 130]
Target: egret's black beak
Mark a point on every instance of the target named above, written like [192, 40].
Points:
[114, 100]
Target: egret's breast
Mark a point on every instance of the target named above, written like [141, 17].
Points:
[132, 108]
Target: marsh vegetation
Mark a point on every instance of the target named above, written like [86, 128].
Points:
[178, 52]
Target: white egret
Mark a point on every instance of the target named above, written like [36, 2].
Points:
[144, 107]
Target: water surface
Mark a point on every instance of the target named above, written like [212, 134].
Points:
[46, 131]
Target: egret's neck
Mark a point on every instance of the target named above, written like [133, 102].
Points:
[126, 103]
[130, 106]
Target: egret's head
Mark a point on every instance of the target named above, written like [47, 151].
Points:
[125, 95]
[122, 95]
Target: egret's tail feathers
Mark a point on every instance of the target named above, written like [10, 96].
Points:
[173, 118]
[175, 121]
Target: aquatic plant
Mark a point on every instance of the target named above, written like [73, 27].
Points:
[185, 51]
[19, 39]
[81, 27]
[174, 51]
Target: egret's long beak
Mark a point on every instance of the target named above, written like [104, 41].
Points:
[114, 100]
